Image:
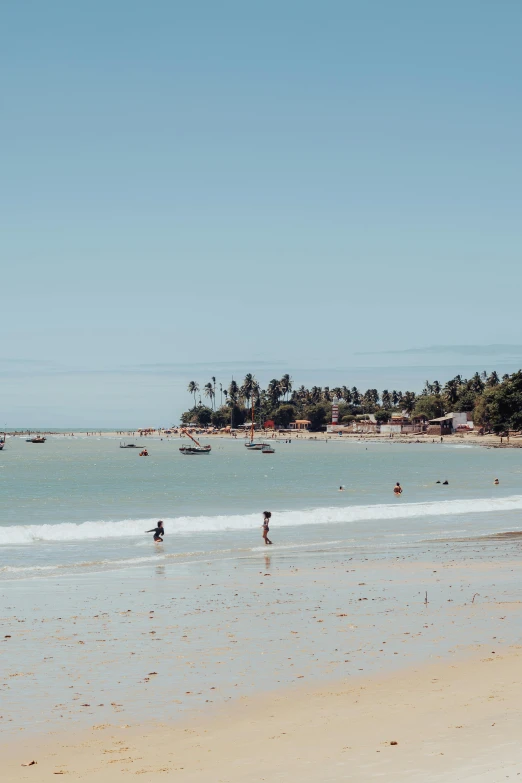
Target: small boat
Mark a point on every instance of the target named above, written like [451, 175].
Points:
[124, 444]
[254, 445]
[36, 439]
[268, 449]
[196, 449]
[2, 441]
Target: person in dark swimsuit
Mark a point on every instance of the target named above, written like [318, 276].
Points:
[266, 521]
[158, 531]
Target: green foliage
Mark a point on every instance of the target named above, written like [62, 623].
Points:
[284, 415]
[429, 405]
[221, 417]
[495, 404]
[317, 415]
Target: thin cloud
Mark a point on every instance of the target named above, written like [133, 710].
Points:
[462, 350]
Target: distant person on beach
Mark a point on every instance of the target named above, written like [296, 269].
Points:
[266, 520]
[397, 490]
[159, 532]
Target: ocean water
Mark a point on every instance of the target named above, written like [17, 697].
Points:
[90, 607]
[81, 504]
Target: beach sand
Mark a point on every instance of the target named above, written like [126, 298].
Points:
[450, 722]
[442, 680]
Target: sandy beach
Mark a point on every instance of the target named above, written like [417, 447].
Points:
[488, 440]
[445, 722]
[441, 679]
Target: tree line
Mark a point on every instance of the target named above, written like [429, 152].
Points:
[496, 403]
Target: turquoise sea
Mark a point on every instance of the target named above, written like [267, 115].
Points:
[77, 504]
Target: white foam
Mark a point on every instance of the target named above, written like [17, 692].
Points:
[131, 528]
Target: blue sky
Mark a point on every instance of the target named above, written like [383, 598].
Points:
[283, 185]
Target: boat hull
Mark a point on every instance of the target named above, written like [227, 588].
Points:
[190, 452]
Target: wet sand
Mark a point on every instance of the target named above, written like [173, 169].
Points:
[347, 649]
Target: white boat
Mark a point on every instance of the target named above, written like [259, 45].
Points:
[189, 451]
[268, 449]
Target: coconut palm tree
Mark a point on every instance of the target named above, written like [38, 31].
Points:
[451, 391]
[233, 392]
[493, 379]
[274, 392]
[221, 393]
[193, 388]
[209, 392]
[213, 379]
[286, 385]
[386, 400]
[346, 395]
[408, 402]
[247, 387]
[356, 397]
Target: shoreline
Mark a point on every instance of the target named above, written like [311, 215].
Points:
[444, 721]
[469, 439]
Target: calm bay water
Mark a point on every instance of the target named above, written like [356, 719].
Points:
[83, 504]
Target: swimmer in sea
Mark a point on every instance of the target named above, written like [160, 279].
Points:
[341, 489]
[397, 490]
[266, 521]
[497, 481]
[158, 531]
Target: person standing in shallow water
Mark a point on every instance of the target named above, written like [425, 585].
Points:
[266, 521]
[397, 490]
[158, 531]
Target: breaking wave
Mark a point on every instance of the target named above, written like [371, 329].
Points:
[129, 528]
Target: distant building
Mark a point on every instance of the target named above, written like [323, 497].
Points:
[300, 424]
[450, 423]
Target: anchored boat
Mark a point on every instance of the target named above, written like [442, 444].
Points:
[2, 440]
[36, 439]
[196, 449]
[254, 445]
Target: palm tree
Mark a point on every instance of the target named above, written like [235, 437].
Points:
[209, 392]
[493, 379]
[221, 393]
[451, 391]
[356, 397]
[274, 392]
[247, 386]
[396, 396]
[285, 384]
[213, 379]
[193, 388]
[386, 400]
[346, 395]
[477, 384]
[233, 392]
[408, 401]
